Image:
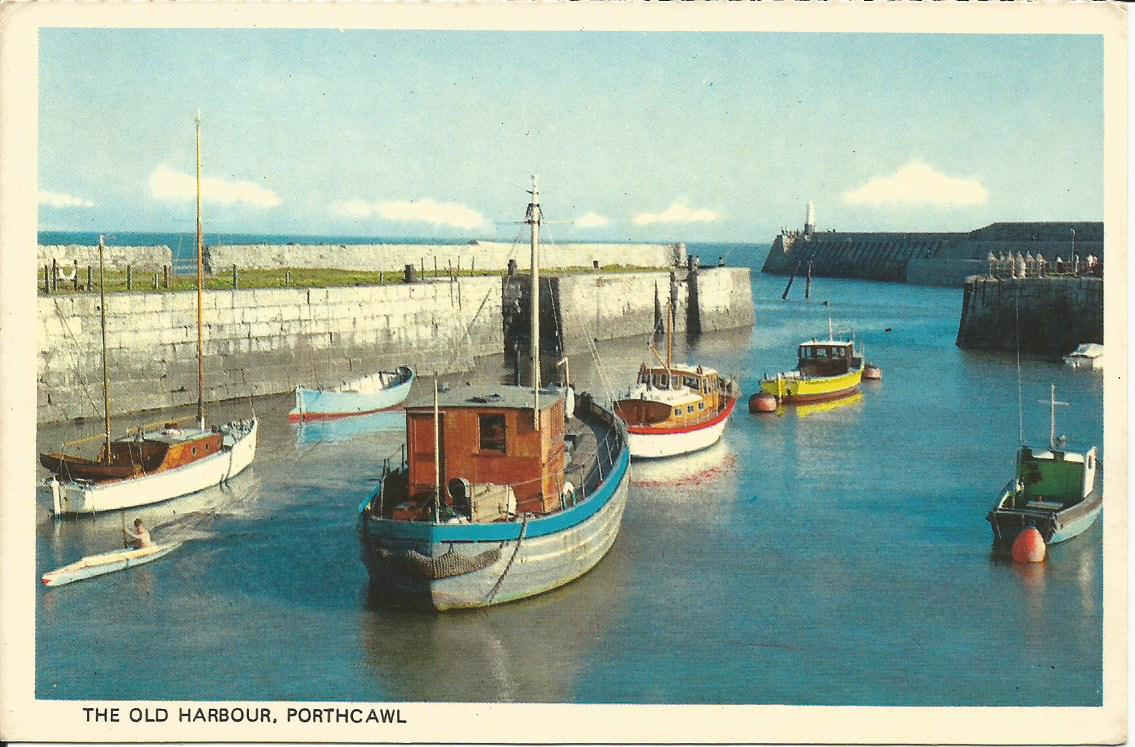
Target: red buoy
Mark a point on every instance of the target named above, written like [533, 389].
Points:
[762, 402]
[1029, 546]
[871, 371]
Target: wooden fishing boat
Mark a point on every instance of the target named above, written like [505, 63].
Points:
[107, 562]
[1054, 490]
[675, 408]
[825, 369]
[373, 393]
[501, 493]
[149, 466]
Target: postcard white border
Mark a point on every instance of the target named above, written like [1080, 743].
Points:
[22, 717]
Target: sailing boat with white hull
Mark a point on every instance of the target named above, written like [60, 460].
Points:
[151, 466]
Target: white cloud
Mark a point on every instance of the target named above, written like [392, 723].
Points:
[174, 186]
[62, 200]
[426, 210]
[678, 212]
[918, 183]
[591, 220]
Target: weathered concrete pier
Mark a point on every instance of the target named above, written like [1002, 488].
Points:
[1052, 315]
[268, 341]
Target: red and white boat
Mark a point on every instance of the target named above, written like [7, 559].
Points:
[676, 408]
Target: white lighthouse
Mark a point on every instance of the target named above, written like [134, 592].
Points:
[810, 219]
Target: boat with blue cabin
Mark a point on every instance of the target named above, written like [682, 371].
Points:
[500, 493]
[1054, 490]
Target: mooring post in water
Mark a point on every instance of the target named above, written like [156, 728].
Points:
[808, 282]
[165, 276]
[236, 278]
[791, 277]
[129, 277]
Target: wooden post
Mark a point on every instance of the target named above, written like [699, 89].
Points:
[287, 277]
[155, 279]
[435, 265]
[236, 278]
[165, 276]
[423, 267]
[47, 280]
[54, 275]
[90, 280]
[129, 277]
[473, 265]
[75, 275]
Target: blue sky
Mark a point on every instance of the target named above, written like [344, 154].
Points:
[640, 136]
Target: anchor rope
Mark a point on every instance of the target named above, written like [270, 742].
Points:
[508, 566]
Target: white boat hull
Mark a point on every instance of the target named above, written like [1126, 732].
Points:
[667, 444]
[107, 562]
[71, 497]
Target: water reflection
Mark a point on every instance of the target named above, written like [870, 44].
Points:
[698, 469]
[532, 650]
[313, 432]
[818, 408]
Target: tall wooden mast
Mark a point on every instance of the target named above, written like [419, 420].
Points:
[200, 282]
[105, 374]
[532, 218]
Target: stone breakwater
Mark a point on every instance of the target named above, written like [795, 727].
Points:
[260, 342]
[945, 259]
[478, 255]
[1056, 314]
[149, 258]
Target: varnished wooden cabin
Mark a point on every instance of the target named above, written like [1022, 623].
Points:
[676, 397]
[130, 457]
[487, 436]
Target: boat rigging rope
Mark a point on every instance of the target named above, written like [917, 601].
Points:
[515, 551]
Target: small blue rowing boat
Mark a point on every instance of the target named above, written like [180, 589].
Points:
[377, 391]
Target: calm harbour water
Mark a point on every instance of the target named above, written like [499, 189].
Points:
[837, 555]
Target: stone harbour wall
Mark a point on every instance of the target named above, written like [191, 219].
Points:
[1056, 314]
[260, 342]
[256, 341]
[149, 258]
[478, 255]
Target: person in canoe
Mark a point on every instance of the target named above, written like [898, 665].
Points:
[140, 537]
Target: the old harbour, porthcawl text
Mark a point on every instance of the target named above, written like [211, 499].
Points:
[243, 714]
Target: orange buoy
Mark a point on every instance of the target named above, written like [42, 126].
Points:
[871, 371]
[1029, 546]
[762, 402]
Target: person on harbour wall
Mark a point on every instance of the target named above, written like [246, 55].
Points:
[140, 537]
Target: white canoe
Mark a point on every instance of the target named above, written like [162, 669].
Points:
[107, 562]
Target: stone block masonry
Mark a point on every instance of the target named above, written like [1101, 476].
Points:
[256, 341]
[1056, 314]
[268, 341]
[478, 255]
[143, 258]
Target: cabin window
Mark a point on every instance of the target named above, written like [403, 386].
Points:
[675, 381]
[691, 382]
[492, 433]
[194, 451]
[677, 410]
[701, 405]
[821, 353]
[689, 408]
[660, 382]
